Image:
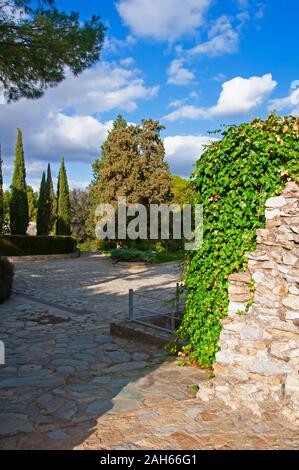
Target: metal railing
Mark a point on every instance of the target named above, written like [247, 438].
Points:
[172, 318]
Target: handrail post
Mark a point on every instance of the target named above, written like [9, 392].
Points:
[177, 298]
[131, 304]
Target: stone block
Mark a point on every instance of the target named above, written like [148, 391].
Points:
[235, 307]
[251, 333]
[238, 288]
[276, 202]
[240, 277]
[292, 384]
[240, 298]
[291, 301]
[292, 315]
[289, 259]
[258, 277]
[269, 367]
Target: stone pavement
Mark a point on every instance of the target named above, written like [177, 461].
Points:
[67, 384]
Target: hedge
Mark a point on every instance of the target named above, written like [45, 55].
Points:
[6, 278]
[19, 245]
[133, 255]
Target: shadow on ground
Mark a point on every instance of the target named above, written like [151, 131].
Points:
[64, 371]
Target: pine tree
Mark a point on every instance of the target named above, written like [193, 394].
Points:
[19, 217]
[63, 225]
[1, 195]
[42, 219]
[51, 201]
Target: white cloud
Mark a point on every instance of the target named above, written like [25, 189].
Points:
[243, 4]
[164, 20]
[290, 103]
[182, 151]
[185, 112]
[178, 74]
[128, 61]
[34, 170]
[113, 45]
[66, 120]
[72, 135]
[77, 184]
[101, 89]
[238, 97]
[222, 39]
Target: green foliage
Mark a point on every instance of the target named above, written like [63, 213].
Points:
[133, 255]
[233, 179]
[6, 212]
[182, 191]
[19, 216]
[42, 219]
[1, 196]
[63, 225]
[51, 202]
[95, 196]
[79, 213]
[149, 256]
[168, 257]
[91, 246]
[6, 279]
[37, 48]
[18, 245]
[32, 203]
[46, 212]
[132, 166]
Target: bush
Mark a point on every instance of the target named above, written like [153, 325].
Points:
[104, 245]
[6, 278]
[133, 255]
[19, 245]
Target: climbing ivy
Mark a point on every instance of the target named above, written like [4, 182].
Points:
[233, 179]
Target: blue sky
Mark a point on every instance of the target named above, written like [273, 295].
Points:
[192, 64]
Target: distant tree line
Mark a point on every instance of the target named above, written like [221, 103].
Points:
[21, 204]
[132, 164]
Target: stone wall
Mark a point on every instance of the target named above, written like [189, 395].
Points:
[257, 367]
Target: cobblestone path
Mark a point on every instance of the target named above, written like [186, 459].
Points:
[67, 384]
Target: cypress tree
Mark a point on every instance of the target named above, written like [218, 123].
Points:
[1, 195]
[42, 218]
[63, 225]
[51, 201]
[19, 213]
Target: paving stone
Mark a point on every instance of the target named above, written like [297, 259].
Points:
[129, 393]
[140, 356]
[65, 370]
[119, 356]
[124, 367]
[56, 435]
[40, 381]
[58, 407]
[123, 406]
[101, 380]
[13, 423]
[165, 430]
[99, 407]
